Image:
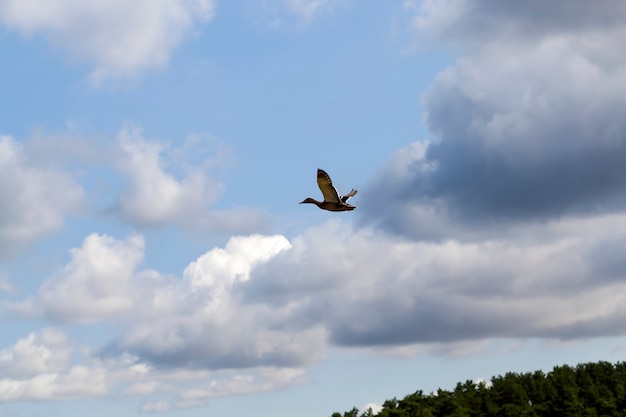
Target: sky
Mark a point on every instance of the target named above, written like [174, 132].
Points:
[154, 258]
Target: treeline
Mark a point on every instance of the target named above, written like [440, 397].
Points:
[587, 390]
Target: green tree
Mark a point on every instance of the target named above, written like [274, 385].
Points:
[352, 413]
[587, 390]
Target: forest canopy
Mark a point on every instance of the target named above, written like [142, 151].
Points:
[589, 389]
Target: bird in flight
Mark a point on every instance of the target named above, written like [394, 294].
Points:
[332, 200]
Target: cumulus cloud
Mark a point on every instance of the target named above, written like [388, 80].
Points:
[98, 282]
[196, 321]
[38, 367]
[366, 288]
[45, 366]
[182, 194]
[263, 379]
[371, 289]
[76, 383]
[119, 38]
[34, 198]
[262, 301]
[193, 389]
[38, 353]
[251, 316]
[529, 135]
[207, 326]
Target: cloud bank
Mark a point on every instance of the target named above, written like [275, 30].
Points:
[253, 315]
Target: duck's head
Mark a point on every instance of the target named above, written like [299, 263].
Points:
[308, 200]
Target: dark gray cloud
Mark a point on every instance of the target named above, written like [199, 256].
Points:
[607, 261]
[426, 320]
[371, 289]
[475, 183]
[483, 19]
[520, 131]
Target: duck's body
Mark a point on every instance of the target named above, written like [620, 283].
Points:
[332, 200]
[330, 206]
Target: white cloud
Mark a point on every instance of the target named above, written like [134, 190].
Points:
[482, 381]
[189, 389]
[264, 301]
[147, 182]
[146, 387]
[120, 38]
[196, 321]
[38, 353]
[96, 284]
[219, 268]
[155, 407]
[432, 15]
[276, 13]
[308, 10]
[155, 196]
[44, 366]
[38, 367]
[34, 198]
[207, 325]
[251, 316]
[375, 407]
[260, 380]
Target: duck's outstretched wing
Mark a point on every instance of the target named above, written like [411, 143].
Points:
[344, 198]
[326, 186]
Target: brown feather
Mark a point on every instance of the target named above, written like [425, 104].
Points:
[332, 201]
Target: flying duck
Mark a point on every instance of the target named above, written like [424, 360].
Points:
[332, 201]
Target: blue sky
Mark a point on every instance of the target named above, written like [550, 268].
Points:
[154, 259]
